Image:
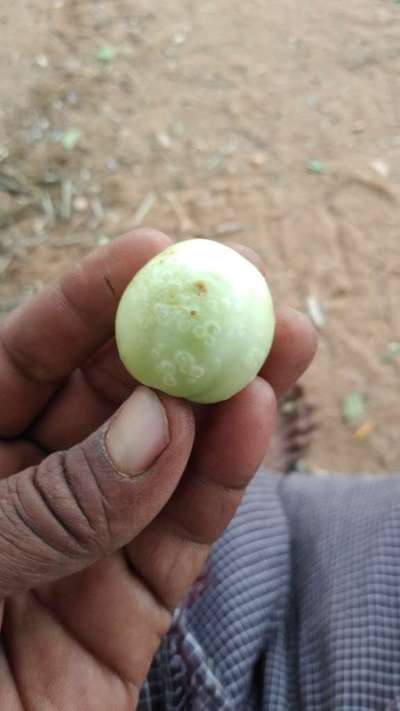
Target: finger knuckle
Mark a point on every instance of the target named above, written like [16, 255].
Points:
[74, 499]
[60, 505]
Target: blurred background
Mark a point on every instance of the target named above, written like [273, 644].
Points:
[276, 124]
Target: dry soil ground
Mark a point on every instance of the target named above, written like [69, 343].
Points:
[278, 122]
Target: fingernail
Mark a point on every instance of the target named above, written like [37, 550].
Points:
[138, 434]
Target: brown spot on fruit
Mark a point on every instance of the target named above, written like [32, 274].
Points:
[200, 287]
[193, 313]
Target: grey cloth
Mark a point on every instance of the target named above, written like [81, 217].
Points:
[299, 605]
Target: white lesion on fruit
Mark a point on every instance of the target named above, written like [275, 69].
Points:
[196, 372]
[168, 373]
[185, 317]
[186, 364]
[184, 361]
[177, 315]
[185, 296]
[169, 381]
[163, 313]
[212, 328]
[208, 332]
[155, 353]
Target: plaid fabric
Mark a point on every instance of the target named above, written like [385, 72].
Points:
[299, 607]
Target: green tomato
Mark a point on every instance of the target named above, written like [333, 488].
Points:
[197, 322]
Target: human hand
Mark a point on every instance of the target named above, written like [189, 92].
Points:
[106, 523]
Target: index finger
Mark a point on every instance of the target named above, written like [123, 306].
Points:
[43, 341]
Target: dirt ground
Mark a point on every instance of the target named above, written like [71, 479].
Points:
[275, 122]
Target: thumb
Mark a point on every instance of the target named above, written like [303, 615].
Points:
[78, 506]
